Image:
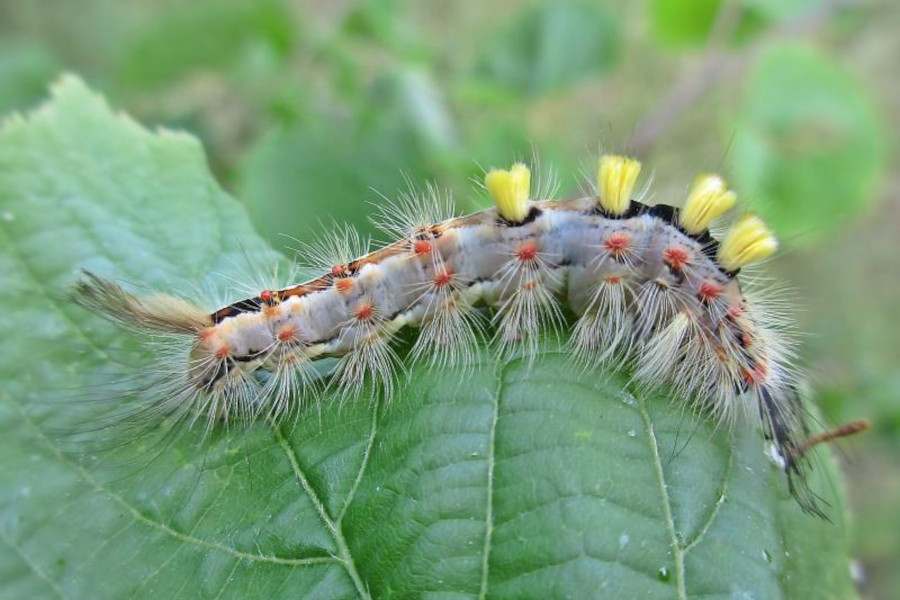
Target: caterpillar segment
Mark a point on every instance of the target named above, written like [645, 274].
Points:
[649, 285]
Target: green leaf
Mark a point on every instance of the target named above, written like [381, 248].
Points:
[552, 46]
[809, 147]
[300, 179]
[683, 22]
[781, 10]
[504, 482]
[218, 32]
[24, 69]
[382, 21]
[411, 95]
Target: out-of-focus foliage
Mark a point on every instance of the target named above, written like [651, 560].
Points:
[281, 187]
[806, 130]
[551, 47]
[681, 23]
[203, 35]
[304, 106]
[25, 69]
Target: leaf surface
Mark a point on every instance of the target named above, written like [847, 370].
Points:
[506, 481]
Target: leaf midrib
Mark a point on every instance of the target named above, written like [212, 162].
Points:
[489, 503]
[665, 501]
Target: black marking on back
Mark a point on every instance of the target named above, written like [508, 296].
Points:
[669, 215]
[532, 215]
[242, 306]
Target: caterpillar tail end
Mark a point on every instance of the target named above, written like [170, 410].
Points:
[794, 444]
[795, 463]
[157, 313]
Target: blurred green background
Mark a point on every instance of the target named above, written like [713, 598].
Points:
[308, 108]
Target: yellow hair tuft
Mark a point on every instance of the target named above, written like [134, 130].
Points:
[616, 176]
[748, 241]
[708, 200]
[509, 190]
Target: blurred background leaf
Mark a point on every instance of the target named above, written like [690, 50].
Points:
[808, 146]
[676, 22]
[684, 23]
[551, 46]
[25, 69]
[293, 175]
[203, 35]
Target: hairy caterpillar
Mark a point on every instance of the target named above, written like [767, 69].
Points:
[649, 285]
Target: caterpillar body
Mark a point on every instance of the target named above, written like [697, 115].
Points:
[648, 285]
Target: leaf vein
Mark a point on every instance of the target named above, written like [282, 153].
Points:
[227, 581]
[48, 294]
[489, 505]
[142, 518]
[665, 501]
[550, 565]
[334, 528]
[564, 497]
[367, 451]
[714, 511]
[31, 565]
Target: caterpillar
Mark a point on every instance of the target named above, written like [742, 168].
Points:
[649, 286]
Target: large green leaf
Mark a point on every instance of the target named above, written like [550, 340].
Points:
[508, 482]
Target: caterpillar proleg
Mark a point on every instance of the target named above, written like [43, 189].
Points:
[650, 289]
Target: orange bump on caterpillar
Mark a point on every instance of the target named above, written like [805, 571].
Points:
[443, 278]
[617, 243]
[528, 251]
[364, 311]
[286, 333]
[676, 257]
